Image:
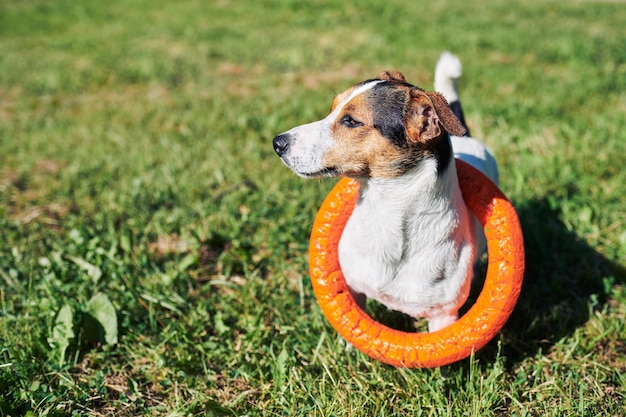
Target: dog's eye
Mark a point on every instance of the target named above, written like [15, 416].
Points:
[348, 121]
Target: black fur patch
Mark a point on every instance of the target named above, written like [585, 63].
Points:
[444, 149]
[388, 103]
[457, 110]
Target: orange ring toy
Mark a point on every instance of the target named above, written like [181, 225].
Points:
[472, 331]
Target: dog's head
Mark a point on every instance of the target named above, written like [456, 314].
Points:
[379, 128]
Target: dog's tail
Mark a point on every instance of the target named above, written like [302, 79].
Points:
[447, 74]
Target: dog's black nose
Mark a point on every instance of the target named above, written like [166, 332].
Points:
[281, 144]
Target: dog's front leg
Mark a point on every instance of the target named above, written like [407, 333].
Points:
[442, 320]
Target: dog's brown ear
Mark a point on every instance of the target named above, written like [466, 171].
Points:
[446, 117]
[391, 76]
[427, 114]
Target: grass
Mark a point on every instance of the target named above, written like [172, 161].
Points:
[153, 250]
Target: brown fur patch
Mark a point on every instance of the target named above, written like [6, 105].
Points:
[340, 97]
[422, 123]
[369, 155]
[391, 76]
[363, 151]
[427, 114]
[446, 117]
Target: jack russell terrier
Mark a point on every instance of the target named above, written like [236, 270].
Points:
[411, 242]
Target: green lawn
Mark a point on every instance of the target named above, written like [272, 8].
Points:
[153, 249]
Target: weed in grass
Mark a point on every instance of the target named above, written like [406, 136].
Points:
[136, 170]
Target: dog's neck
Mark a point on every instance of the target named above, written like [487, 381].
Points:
[418, 210]
[430, 187]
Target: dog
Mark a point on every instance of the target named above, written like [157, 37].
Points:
[411, 243]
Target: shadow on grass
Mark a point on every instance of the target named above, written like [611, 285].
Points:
[564, 277]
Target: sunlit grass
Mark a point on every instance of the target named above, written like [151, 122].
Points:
[136, 163]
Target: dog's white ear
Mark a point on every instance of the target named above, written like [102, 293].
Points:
[391, 76]
[427, 115]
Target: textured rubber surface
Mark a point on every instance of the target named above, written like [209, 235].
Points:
[416, 350]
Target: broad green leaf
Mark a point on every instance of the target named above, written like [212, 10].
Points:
[100, 308]
[280, 370]
[62, 333]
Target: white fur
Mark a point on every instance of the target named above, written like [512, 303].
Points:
[477, 155]
[410, 242]
[447, 73]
